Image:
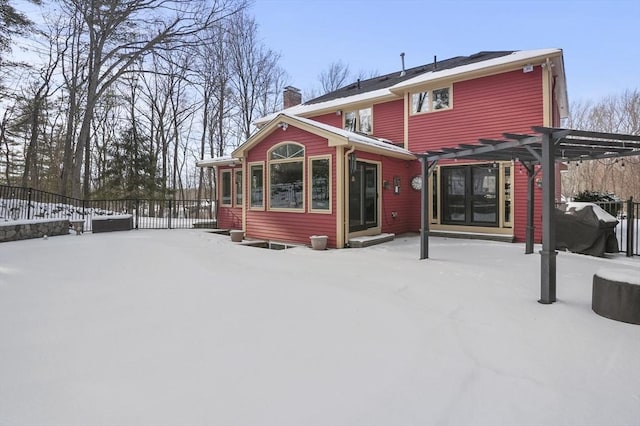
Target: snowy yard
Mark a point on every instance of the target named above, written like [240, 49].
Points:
[183, 327]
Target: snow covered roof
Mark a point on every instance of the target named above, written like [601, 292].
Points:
[513, 57]
[304, 109]
[393, 85]
[225, 160]
[335, 135]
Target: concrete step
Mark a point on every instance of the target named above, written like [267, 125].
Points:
[472, 236]
[366, 241]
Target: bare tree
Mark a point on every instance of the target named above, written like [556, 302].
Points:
[121, 33]
[616, 114]
[35, 106]
[253, 70]
[12, 22]
[334, 77]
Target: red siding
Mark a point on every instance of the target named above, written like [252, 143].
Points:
[228, 217]
[484, 107]
[293, 226]
[520, 207]
[388, 121]
[331, 119]
[406, 204]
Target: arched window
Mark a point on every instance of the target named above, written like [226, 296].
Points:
[286, 176]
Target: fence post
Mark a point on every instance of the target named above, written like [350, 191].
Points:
[28, 203]
[170, 214]
[137, 211]
[630, 222]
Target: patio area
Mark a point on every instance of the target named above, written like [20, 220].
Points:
[179, 327]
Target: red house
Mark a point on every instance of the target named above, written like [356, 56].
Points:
[344, 165]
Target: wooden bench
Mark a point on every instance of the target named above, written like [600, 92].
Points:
[77, 225]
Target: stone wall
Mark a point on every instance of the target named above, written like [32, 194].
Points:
[22, 230]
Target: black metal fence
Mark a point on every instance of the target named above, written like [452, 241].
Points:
[18, 203]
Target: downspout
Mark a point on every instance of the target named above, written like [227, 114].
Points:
[245, 195]
[347, 180]
[215, 195]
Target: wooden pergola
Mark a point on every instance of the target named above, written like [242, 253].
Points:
[544, 148]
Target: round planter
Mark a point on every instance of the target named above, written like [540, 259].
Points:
[319, 242]
[236, 236]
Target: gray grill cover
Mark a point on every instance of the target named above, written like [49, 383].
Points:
[581, 231]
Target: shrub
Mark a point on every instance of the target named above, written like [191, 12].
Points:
[608, 202]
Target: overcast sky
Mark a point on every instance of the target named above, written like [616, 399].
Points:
[599, 38]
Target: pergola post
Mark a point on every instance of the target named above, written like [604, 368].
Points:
[548, 253]
[529, 235]
[424, 210]
[530, 211]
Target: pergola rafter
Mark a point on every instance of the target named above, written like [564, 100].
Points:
[544, 148]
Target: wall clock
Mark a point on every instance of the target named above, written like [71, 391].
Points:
[416, 183]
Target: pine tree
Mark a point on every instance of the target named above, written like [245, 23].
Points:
[130, 172]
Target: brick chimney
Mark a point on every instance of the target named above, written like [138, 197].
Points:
[291, 97]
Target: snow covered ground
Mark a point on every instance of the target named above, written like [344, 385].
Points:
[182, 327]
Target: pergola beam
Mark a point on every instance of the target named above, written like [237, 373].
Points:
[551, 145]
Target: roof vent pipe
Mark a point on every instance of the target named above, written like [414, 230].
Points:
[403, 72]
[435, 63]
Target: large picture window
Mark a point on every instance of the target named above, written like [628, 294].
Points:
[358, 121]
[320, 188]
[238, 186]
[431, 100]
[225, 188]
[286, 177]
[257, 185]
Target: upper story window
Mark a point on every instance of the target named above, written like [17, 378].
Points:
[358, 121]
[431, 100]
[286, 177]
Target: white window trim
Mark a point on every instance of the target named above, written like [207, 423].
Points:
[357, 112]
[310, 180]
[235, 187]
[250, 185]
[430, 100]
[222, 173]
[282, 161]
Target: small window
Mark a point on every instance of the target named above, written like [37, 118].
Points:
[320, 184]
[238, 186]
[434, 196]
[508, 211]
[429, 101]
[359, 121]
[225, 188]
[257, 185]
